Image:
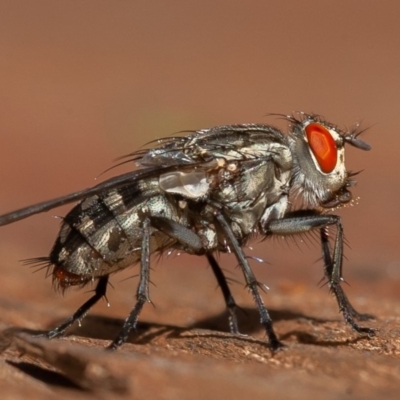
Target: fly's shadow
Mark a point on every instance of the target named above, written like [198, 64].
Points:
[105, 328]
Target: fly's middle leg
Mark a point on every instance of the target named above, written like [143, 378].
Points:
[251, 281]
[228, 297]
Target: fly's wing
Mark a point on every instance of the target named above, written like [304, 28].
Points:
[182, 163]
[231, 142]
[113, 183]
[214, 158]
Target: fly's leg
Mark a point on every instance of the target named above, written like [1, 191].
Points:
[142, 293]
[187, 238]
[192, 243]
[328, 263]
[334, 283]
[251, 281]
[229, 300]
[100, 292]
[333, 267]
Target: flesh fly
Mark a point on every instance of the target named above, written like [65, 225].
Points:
[207, 192]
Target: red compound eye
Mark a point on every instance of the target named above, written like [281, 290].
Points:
[323, 146]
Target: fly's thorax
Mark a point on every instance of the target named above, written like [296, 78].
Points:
[319, 173]
[190, 185]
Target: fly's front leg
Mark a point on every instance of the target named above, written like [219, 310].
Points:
[229, 300]
[334, 283]
[142, 293]
[333, 265]
[251, 281]
[328, 262]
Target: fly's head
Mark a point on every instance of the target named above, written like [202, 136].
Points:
[320, 178]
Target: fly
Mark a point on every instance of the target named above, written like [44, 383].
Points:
[207, 192]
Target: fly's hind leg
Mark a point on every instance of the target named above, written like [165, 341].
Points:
[186, 237]
[142, 292]
[100, 292]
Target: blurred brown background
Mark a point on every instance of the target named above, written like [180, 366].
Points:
[83, 82]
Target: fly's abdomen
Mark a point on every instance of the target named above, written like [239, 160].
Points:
[94, 241]
[103, 234]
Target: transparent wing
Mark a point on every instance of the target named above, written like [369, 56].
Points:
[113, 183]
[186, 153]
[228, 141]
